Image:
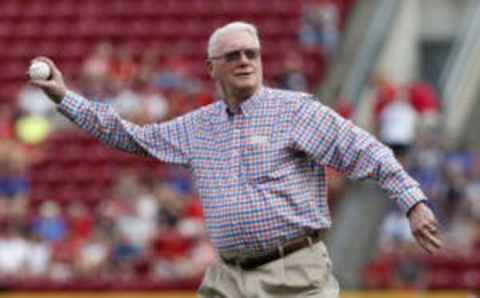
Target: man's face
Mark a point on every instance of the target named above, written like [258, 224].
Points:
[237, 64]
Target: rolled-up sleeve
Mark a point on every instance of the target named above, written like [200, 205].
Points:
[168, 142]
[336, 142]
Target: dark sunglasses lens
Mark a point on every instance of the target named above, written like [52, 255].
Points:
[251, 54]
[233, 56]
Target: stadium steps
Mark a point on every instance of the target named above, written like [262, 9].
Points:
[353, 236]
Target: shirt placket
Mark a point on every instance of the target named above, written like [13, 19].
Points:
[235, 173]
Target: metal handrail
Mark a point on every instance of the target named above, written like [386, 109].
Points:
[379, 27]
[464, 47]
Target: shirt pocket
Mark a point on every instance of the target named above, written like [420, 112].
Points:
[263, 162]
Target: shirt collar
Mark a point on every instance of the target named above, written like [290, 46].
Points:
[249, 105]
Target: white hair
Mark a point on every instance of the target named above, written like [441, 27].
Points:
[229, 28]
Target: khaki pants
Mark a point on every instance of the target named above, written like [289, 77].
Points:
[304, 273]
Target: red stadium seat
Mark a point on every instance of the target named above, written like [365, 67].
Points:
[11, 9]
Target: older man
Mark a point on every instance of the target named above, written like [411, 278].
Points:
[258, 157]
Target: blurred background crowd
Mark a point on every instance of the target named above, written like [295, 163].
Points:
[72, 210]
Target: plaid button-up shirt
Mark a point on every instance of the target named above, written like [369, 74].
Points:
[260, 172]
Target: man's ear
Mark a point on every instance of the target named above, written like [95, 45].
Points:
[209, 65]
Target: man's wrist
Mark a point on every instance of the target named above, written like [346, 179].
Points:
[424, 202]
[59, 95]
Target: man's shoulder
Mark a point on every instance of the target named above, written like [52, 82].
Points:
[205, 112]
[290, 98]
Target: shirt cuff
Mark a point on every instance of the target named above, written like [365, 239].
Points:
[410, 198]
[70, 103]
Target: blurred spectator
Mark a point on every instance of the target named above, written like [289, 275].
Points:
[174, 70]
[397, 129]
[172, 204]
[320, 25]
[426, 166]
[426, 102]
[94, 255]
[472, 189]
[32, 101]
[97, 67]
[181, 180]
[385, 92]
[6, 121]
[135, 215]
[394, 232]
[137, 226]
[80, 221]
[60, 271]
[454, 192]
[32, 130]
[460, 232]
[292, 76]
[179, 103]
[49, 224]
[149, 63]
[123, 68]
[124, 254]
[154, 105]
[396, 264]
[95, 80]
[141, 103]
[128, 104]
[13, 252]
[409, 273]
[18, 210]
[38, 256]
[13, 166]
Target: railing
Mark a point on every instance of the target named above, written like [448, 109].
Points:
[379, 27]
[461, 75]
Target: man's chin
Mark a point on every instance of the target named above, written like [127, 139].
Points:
[247, 85]
[246, 90]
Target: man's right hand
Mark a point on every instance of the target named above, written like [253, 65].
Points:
[54, 87]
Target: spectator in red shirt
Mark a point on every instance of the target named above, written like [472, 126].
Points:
[425, 100]
[423, 97]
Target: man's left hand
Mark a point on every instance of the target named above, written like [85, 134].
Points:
[424, 228]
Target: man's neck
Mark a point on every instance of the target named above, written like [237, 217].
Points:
[234, 101]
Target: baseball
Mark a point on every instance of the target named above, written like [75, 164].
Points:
[39, 71]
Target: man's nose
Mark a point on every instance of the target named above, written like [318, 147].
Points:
[243, 57]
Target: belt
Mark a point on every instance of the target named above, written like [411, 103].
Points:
[291, 246]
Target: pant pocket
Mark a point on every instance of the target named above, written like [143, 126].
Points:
[300, 272]
[331, 289]
[209, 288]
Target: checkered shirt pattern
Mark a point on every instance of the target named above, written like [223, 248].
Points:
[260, 172]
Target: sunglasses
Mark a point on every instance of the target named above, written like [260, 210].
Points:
[235, 56]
